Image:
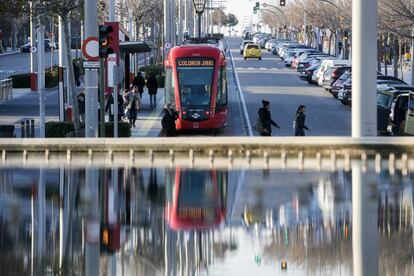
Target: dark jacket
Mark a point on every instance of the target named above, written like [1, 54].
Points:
[81, 103]
[168, 122]
[152, 85]
[110, 102]
[139, 82]
[267, 121]
[300, 124]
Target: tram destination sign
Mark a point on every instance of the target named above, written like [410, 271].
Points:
[195, 62]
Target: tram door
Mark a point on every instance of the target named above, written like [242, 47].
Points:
[409, 123]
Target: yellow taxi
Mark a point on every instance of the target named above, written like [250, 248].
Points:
[252, 50]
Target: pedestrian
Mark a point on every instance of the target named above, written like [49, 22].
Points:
[139, 81]
[81, 105]
[133, 104]
[265, 118]
[168, 121]
[299, 123]
[152, 86]
[109, 108]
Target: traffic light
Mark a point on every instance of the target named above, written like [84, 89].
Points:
[282, 3]
[254, 10]
[257, 5]
[105, 41]
[283, 265]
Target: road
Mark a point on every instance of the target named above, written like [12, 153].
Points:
[269, 79]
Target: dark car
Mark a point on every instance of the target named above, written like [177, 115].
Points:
[339, 83]
[26, 47]
[332, 75]
[346, 95]
[307, 73]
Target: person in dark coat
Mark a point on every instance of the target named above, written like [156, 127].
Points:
[266, 118]
[152, 85]
[168, 121]
[139, 82]
[81, 105]
[300, 121]
[110, 109]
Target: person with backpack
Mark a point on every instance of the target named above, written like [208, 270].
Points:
[139, 82]
[264, 122]
[299, 123]
[168, 121]
[133, 104]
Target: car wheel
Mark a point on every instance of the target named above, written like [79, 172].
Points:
[310, 82]
[245, 58]
[260, 58]
[343, 102]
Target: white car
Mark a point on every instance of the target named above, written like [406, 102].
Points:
[243, 45]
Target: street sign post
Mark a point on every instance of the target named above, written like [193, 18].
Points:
[87, 64]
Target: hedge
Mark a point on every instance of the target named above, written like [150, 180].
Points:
[23, 80]
[66, 129]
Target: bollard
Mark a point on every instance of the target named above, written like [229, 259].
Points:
[27, 128]
[32, 128]
[22, 127]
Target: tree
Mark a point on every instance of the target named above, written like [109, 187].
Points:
[231, 20]
[65, 9]
[219, 18]
[13, 10]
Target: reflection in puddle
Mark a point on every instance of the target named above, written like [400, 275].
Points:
[162, 221]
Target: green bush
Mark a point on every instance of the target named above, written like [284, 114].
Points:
[23, 80]
[155, 69]
[58, 129]
[65, 129]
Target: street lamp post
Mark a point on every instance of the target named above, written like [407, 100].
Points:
[199, 6]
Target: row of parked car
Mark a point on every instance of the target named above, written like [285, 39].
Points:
[395, 98]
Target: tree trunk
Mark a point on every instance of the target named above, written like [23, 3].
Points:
[14, 34]
[386, 55]
[75, 108]
[379, 53]
[395, 56]
[330, 43]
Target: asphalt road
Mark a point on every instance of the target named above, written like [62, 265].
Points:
[269, 79]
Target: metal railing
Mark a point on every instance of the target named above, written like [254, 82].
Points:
[6, 90]
[314, 153]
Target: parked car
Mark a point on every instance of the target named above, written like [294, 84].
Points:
[252, 51]
[243, 45]
[328, 63]
[307, 73]
[339, 83]
[332, 74]
[26, 48]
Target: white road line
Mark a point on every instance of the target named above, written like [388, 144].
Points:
[249, 126]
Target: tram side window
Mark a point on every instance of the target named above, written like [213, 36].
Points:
[221, 98]
[169, 86]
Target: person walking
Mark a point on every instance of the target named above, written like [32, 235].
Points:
[81, 105]
[152, 86]
[168, 121]
[139, 81]
[266, 119]
[133, 104]
[300, 121]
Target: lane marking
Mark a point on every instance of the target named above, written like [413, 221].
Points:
[246, 114]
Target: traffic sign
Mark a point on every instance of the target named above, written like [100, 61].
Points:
[33, 49]
[91, 64]
[90, 48]
[167, 45]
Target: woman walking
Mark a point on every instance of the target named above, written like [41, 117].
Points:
[152, 85]
[300, 121]
[266, 119]
[133, 104]
[168, 121]
[139, 81]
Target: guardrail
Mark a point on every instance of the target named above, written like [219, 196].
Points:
[321, 153]
[6, 90]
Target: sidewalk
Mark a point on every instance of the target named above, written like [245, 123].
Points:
[405, 76]
[148, 123]
[9, 52]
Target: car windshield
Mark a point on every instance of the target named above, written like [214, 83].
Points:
[252, 46]
[383, 99]
[344, 76]
[195, 80]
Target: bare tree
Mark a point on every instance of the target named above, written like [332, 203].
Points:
[65, 9]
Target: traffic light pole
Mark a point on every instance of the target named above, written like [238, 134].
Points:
[102, 96]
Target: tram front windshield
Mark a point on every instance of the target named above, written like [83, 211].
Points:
[195, 80]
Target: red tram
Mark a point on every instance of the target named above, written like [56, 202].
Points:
[196, 84]
[196, 199]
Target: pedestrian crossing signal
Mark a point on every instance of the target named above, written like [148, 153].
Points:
[257, 5]
[254, 10]
[283, 265]
[105, 41]
[282, 3]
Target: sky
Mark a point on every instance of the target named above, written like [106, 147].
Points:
[242, 9]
